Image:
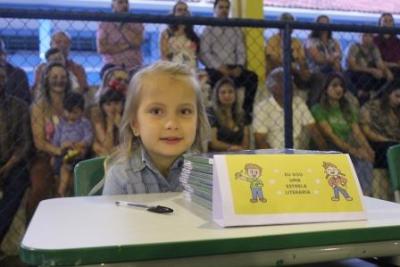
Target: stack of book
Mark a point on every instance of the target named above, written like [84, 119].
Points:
[197, 178]
[197, 172]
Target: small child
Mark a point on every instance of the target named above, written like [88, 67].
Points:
[74, 134]
[163, 118]
[106, 118]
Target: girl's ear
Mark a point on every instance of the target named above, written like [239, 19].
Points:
[135, 128]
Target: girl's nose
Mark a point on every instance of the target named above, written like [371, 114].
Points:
[172, 123]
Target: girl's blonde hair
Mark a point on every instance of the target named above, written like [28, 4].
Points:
[128, 141]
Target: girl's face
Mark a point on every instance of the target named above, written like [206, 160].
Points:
[112, 108]
[226, 95]
[335, 89]
[57, 79]
[181, 10]
[394, 98]
[166, 117]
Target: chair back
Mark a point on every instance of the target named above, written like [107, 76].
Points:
[87, 174]
[393, 159]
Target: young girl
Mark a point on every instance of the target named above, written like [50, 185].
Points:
[228, 130]
[74, 134]
[163, 118]
[106, 115]
[339, 123]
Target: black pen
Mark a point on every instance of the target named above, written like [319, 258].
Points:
[156, 209]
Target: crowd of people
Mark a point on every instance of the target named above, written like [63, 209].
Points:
[343, 100]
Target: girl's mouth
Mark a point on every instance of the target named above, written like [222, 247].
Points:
[171, 140]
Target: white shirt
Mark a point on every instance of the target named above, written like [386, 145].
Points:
[222, 46]
[269, 119]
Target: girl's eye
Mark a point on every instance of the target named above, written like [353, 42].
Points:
[187, 111]
[156, 111]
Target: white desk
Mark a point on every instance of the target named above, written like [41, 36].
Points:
[90, 230]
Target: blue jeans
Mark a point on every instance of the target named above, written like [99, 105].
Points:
[364, 172]
[257, 192]
[338, 189]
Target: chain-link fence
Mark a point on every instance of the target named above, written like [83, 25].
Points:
[303, 104]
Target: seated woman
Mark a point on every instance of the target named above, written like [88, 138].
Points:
[380, 121]
[228, 129]
[53, 55]
[365, 67]
[107, 112]
[339, 124]
[323, 54]
[45, 116]
[179, 43]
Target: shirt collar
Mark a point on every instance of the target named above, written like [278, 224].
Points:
[274, 103]
[141, 159]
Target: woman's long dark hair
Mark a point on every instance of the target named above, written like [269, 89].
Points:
[317, 33]
[189, 31]
[385, 99]
[380, 21]
[344, 104]
[237, 112]
[45, 87]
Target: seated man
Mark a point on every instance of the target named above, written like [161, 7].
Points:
[274, 54]
[365, 67]
[223, 52]
[268, 122]
[15, 148]
[17, 82]
[62, 41]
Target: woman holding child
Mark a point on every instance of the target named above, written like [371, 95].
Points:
[45, 115]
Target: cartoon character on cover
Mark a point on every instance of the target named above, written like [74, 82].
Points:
[253, 176]
[336, 180]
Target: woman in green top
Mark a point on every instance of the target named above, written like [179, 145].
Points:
[338, 122]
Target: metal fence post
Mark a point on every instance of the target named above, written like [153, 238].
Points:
[288, 90]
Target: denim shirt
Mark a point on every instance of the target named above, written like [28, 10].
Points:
[138, 175]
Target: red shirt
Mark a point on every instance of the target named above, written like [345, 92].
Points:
[389, 48]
